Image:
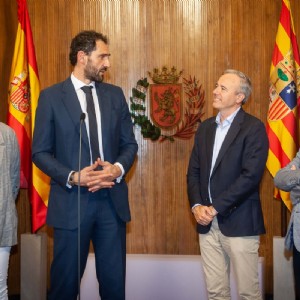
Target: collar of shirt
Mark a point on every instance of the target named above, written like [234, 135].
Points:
[78, 84]
[228, 120]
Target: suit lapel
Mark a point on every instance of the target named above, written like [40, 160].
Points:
[211, 133]
[71, 102]
[231, 135]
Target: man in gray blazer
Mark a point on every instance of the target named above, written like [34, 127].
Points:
[288, 179]
[108, 152]
[9, 188]
[225, 169]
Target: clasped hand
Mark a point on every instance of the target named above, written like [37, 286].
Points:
[204, 214]
[95, 178]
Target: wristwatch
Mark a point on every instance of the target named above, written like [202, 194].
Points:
[71, 179]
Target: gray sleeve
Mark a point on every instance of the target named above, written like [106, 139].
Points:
[286, 178]
[15, 165]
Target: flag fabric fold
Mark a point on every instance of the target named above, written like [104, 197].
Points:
[23, 93]
[284, 96]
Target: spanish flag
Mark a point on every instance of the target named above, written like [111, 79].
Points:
[23, 93]
[284, 96]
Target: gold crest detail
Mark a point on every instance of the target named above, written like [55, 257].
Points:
[165, 76]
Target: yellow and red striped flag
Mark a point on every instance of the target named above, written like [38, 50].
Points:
[24, 89]
[283, 115]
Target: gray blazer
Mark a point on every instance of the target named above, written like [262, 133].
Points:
[288, 180]
[9, 185]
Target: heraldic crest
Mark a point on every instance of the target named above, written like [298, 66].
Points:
[170, 117]
[19, 93]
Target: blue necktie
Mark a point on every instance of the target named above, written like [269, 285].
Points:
[93, 128]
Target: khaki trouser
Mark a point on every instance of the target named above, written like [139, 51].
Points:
[218, 253]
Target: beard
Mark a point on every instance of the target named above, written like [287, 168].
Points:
[94, 74]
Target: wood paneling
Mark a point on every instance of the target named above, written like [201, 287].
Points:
[200, 37]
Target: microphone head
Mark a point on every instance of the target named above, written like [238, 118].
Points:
[82, 116]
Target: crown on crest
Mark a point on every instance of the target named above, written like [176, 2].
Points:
[165, 76]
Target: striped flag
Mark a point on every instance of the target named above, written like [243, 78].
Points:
[24, 89]
[284, 94]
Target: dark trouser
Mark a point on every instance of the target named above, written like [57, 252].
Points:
[107, 232]
[296, 266]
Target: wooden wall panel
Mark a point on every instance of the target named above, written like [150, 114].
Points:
[202, 38]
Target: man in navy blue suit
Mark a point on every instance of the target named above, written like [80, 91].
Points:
[104, 207]
[226, 165]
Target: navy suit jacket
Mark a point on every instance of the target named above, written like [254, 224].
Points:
[55, 147]
[234, 182]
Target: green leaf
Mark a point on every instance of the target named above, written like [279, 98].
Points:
[282, 75]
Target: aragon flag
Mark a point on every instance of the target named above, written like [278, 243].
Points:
[284, 96]
[23, 93]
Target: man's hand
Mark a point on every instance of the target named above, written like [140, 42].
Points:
[99, 179]
[84, 175]
[96, 179]
[203, 214]
[109, 168]
[213, 212]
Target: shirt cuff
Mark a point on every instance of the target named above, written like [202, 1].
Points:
[67, 184]
[122, 170]
[197, 204]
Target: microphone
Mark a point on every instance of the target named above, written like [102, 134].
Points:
[82, 117]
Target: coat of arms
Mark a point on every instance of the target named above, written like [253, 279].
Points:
[19, 93]
[171, 116]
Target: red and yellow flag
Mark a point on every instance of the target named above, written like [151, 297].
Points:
[283, 117]
[24, 89]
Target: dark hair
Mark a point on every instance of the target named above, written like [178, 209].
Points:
[85, 41]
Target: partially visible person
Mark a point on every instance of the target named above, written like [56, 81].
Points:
[288, 179]
[9, 188]
[225, 169]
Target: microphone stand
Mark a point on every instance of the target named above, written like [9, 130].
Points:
[82, 117]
